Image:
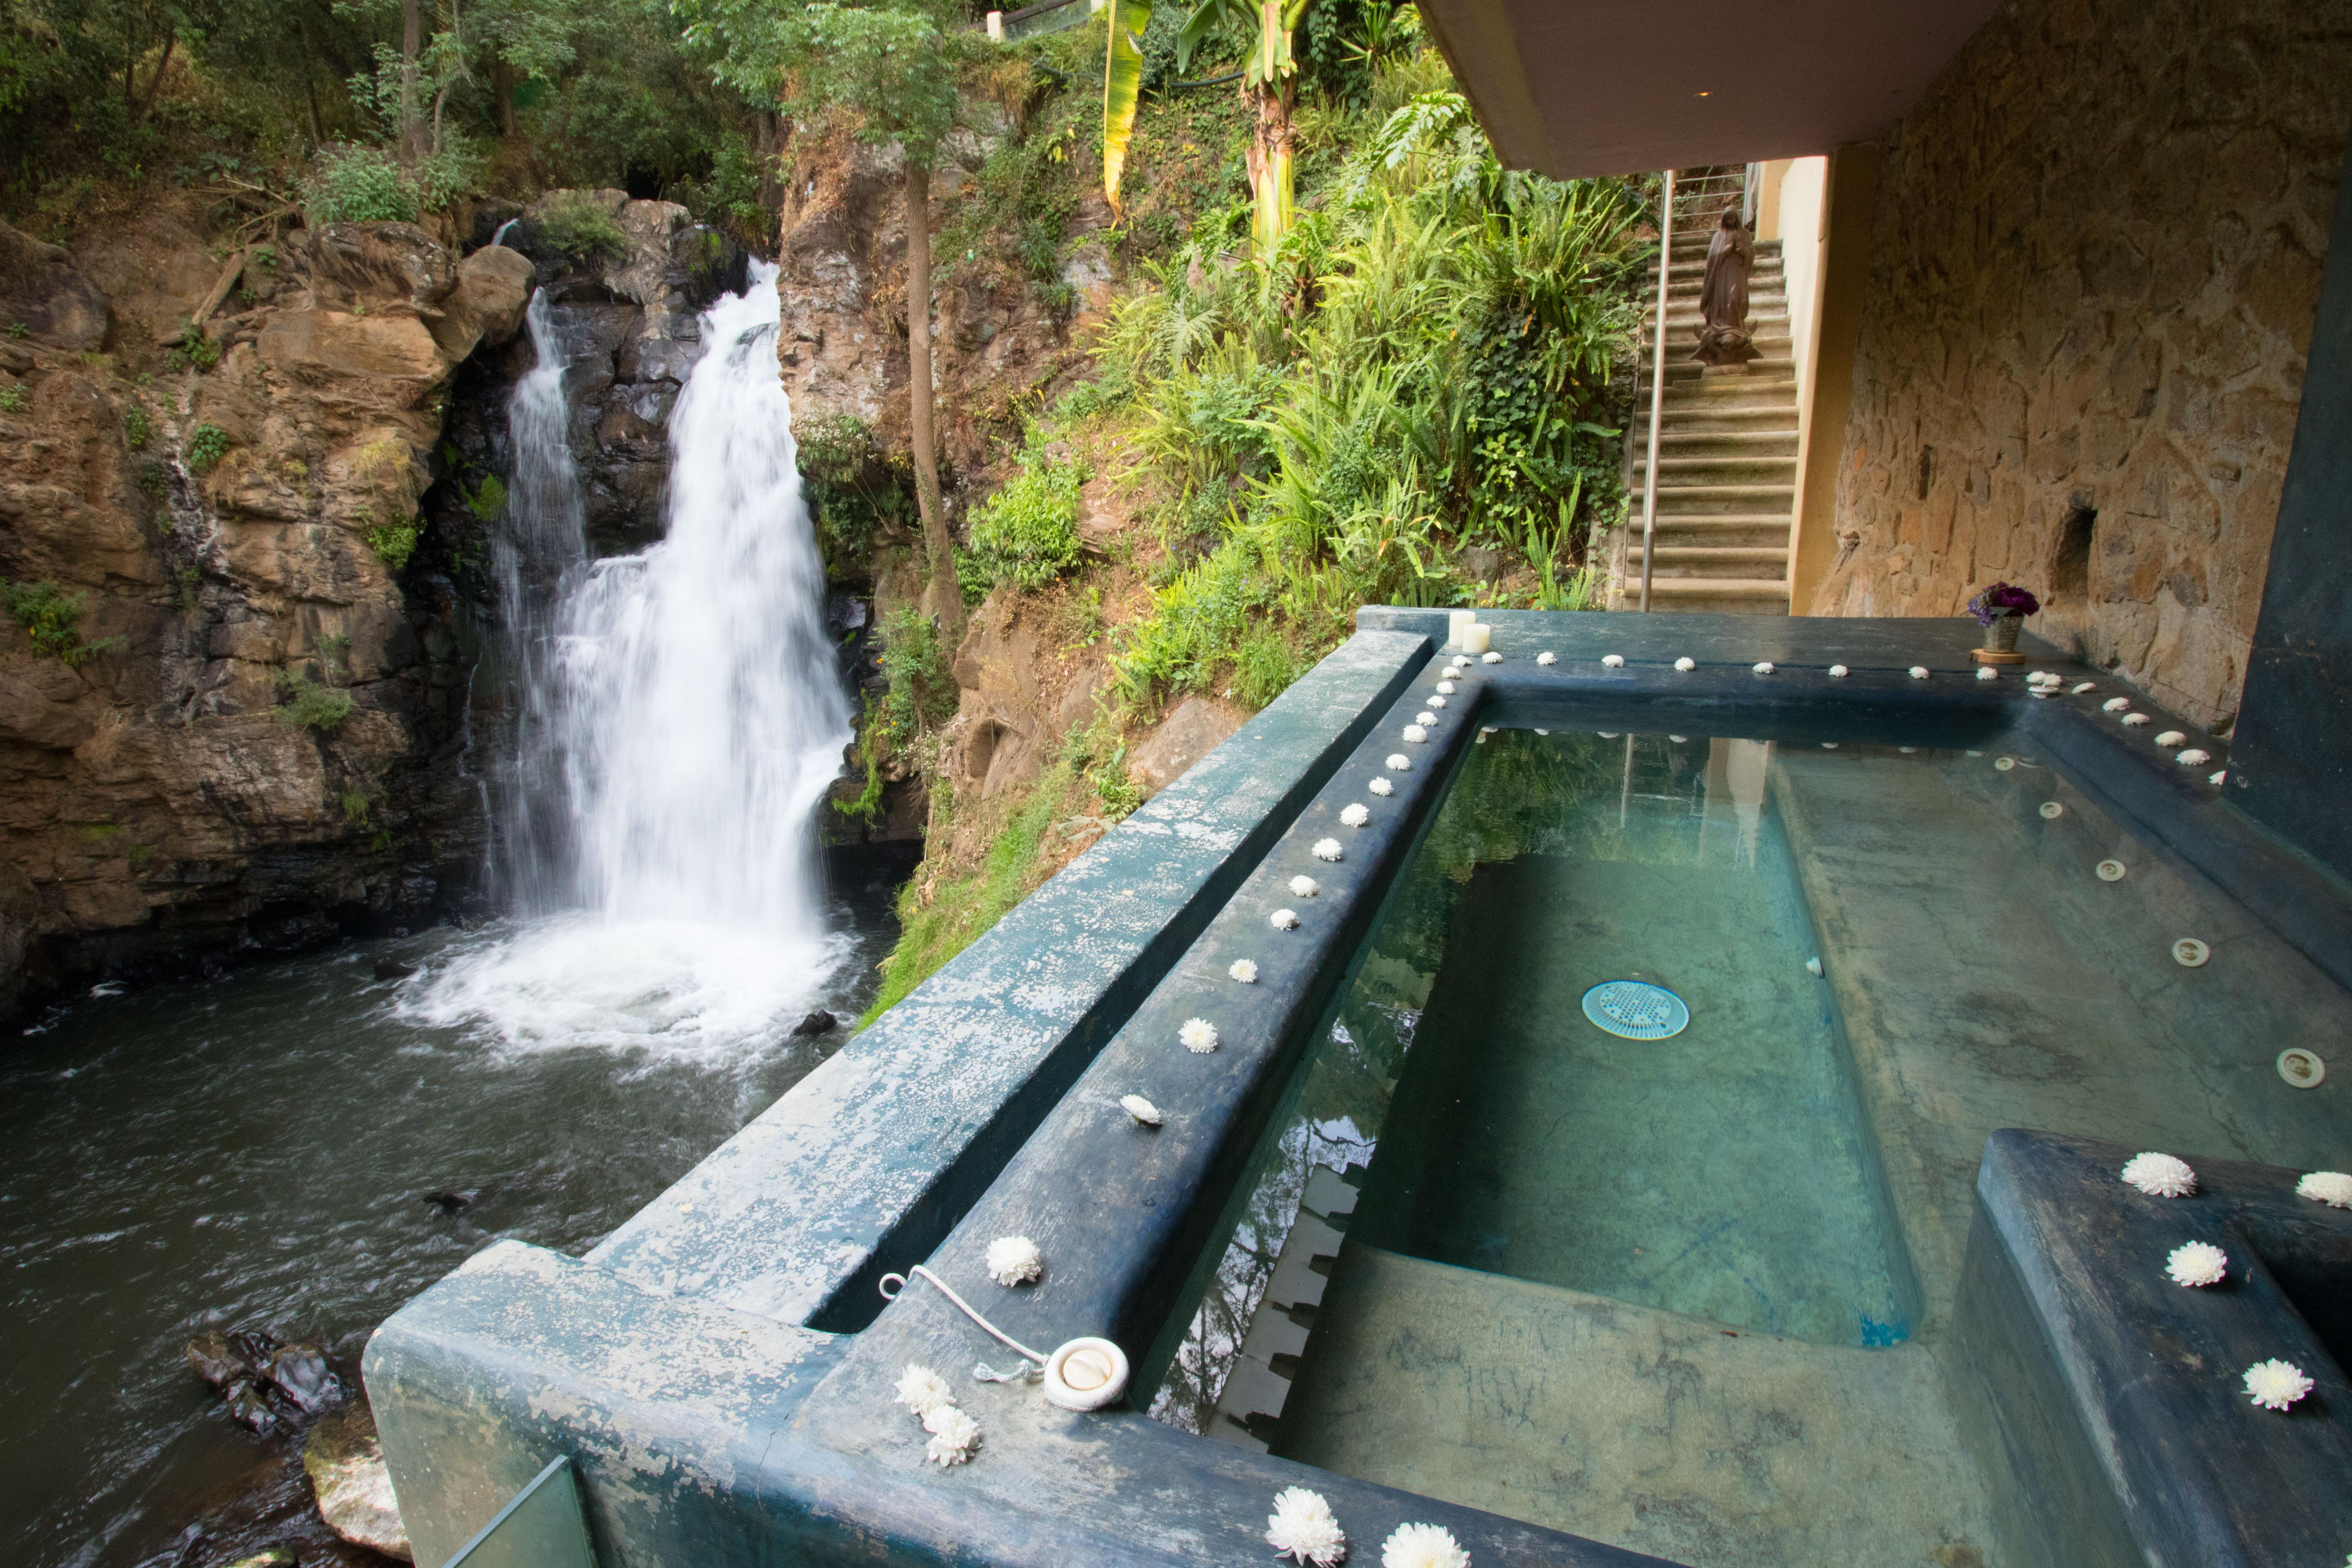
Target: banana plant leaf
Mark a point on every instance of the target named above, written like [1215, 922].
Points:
[1122, 87]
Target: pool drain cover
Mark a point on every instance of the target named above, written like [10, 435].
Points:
[1635, 1010]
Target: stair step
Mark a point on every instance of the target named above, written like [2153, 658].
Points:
[1715, 554]
[1662, 585]
[1708, 521]
[1681, 433]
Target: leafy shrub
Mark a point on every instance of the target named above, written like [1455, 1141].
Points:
[310, 705]
[576, 224]
[359, 184]
[1027, 532]
[137, 428]
[13, 399]
[393, 543]
[203, 353]
[487, 501]
[206, 447]
[922, 689]
[52, 618]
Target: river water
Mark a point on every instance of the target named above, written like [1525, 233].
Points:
[254, 1152]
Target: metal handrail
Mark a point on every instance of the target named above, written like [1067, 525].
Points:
[1657, 395]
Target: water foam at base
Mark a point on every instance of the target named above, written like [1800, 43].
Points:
[682, 991]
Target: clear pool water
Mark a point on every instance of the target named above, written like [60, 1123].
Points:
[1691, 1296]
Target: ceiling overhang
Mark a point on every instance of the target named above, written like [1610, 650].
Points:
[1577, 87]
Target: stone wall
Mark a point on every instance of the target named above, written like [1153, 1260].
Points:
[2095, 264]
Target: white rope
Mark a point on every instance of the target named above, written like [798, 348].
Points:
[948, 1291]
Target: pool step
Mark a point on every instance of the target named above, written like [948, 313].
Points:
[1258, 1387]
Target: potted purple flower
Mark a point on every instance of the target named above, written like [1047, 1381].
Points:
[2002, 609]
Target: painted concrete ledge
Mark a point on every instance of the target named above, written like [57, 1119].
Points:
[2114, 1396]
[865, 1164]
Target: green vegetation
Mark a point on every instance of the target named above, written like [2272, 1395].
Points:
[308, 705]
[486, 500]
[137, 430]
[205, 448]
[13, 398]
[1027, 532]
[578, 224]
[53, 619]
[939, 918]
[922, 689]
[395, 543]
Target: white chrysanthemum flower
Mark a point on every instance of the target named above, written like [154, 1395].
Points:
[1013, 1260]
[1398, 763]
[2135, 720]
[1687, 663]
[1446, 689]
[2216, 781]
[955, 1435]
[1414, 734]
[1829, 745]
[1199, 1035]
[1244, 970]
[1283, 919]
[1355, 813]
[1304, 888]
[2276, 1384]
[2171, 738]
[1612, 661]
[2160, 1176]
[1423, 1546]
[1142, 1109]
[1679, 739]
[1543, 731]
[1436, 702]
[1547, 657]
[2082, 685]
[2040, 677]
[1838, 672]
[1327, 850]
[1490, 657]
[2193, 758]
[1989, 673]
[2195, 1263]
[1918, 672]
[2332, 1188]
[922, 1391]
[1301, 1527]
[1764, 667]
[1425, 717]
[1381, 786]
[2115, 705]
[1461, 661]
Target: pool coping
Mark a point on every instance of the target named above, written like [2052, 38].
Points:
[824, 1459]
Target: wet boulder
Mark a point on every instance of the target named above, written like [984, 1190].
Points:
[268, 1384]
[817, 1023]
[345, 1464]
[299, 1374]
[392, 969]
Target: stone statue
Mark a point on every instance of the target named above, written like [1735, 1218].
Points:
[1723, 295]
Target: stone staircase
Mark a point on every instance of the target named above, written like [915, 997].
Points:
[1727, 439]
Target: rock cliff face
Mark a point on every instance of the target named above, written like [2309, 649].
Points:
[627, 322]
[222, 548]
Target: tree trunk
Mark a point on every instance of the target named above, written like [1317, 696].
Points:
[1269, 160]
[155, 82]
[942, 595]
[412, 43]
[503, 84]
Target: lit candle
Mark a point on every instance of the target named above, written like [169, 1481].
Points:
[1475, 638]
[1458, 622]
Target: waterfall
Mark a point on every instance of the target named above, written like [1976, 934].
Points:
[678, 720]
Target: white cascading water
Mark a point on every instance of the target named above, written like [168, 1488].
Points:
[688, 715]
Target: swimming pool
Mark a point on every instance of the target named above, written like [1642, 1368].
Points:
[1758, 1291]
[1695, 1295]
